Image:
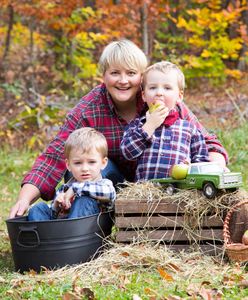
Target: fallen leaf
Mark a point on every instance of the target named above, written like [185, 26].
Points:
[17, 283]
[206, 294]
[70, 296]
[174, 298]
[147, 290]
[174, 267]
[86, 292]
[242, 283]
[125, 254]
[153, 295]
[165, 275]
[32, 272]
[115, 268]
[136, 297]
[2, 280]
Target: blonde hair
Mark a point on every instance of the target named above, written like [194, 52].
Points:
[86, 139]
[123, 53]
[165, 67]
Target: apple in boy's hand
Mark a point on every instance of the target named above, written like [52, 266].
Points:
[179, 171]
[245, 238]
[153, 106]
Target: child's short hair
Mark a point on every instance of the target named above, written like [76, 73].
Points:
[123, 53]
[86, 139]
[165, 67]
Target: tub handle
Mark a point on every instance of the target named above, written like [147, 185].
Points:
[28, 229]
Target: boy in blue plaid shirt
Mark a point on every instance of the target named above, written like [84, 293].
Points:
[160, 138]
[87, 192]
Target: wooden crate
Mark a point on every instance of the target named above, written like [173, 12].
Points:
[164, 221]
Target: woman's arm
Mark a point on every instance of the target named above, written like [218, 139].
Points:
[215, 149]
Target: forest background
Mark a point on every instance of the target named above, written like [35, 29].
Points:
[50, 49]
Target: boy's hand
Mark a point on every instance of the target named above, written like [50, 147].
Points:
[155, 117]
[64, 200]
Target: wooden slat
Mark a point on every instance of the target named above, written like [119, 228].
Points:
[210, 249]
[162, 221]
[135, 206]
[169, 235]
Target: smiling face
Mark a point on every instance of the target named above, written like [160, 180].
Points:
[163, 88]
[122, 83]
[86, 166]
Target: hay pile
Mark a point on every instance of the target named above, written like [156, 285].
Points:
[120, 261]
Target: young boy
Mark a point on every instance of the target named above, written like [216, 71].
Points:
[86, 153]
[161, 139]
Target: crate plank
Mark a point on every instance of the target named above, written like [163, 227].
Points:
[169, 235]
[136, 206]
[210, 249]
[162, 221]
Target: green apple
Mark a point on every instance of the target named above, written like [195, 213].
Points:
[179, 171]
[153, 106]
[245, 238]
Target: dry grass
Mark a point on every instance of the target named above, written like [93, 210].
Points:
[124, 260]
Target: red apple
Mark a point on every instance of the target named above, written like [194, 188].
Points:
[245, 238]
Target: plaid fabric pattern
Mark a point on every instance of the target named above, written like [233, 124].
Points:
[96, 110]
[102, 190]
[169, 145]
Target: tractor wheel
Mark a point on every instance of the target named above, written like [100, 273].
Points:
[169, 189]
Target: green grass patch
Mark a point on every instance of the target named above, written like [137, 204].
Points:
[13, 166]
[236, 143]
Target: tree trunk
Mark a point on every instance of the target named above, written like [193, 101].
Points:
[4, 66]
[31, 53]
[8, 36]
[144, 28]
[242, 65]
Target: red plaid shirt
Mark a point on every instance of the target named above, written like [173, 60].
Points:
[96, 110]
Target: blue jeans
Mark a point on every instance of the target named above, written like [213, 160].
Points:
[81, 207]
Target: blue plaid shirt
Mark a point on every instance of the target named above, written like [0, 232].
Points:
[178, 143]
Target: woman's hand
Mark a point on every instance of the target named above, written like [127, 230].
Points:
[219, 158]
[28, 194]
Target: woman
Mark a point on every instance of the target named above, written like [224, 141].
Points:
[108, 108]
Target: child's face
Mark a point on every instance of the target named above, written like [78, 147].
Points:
[86, 166]
[162, 88]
